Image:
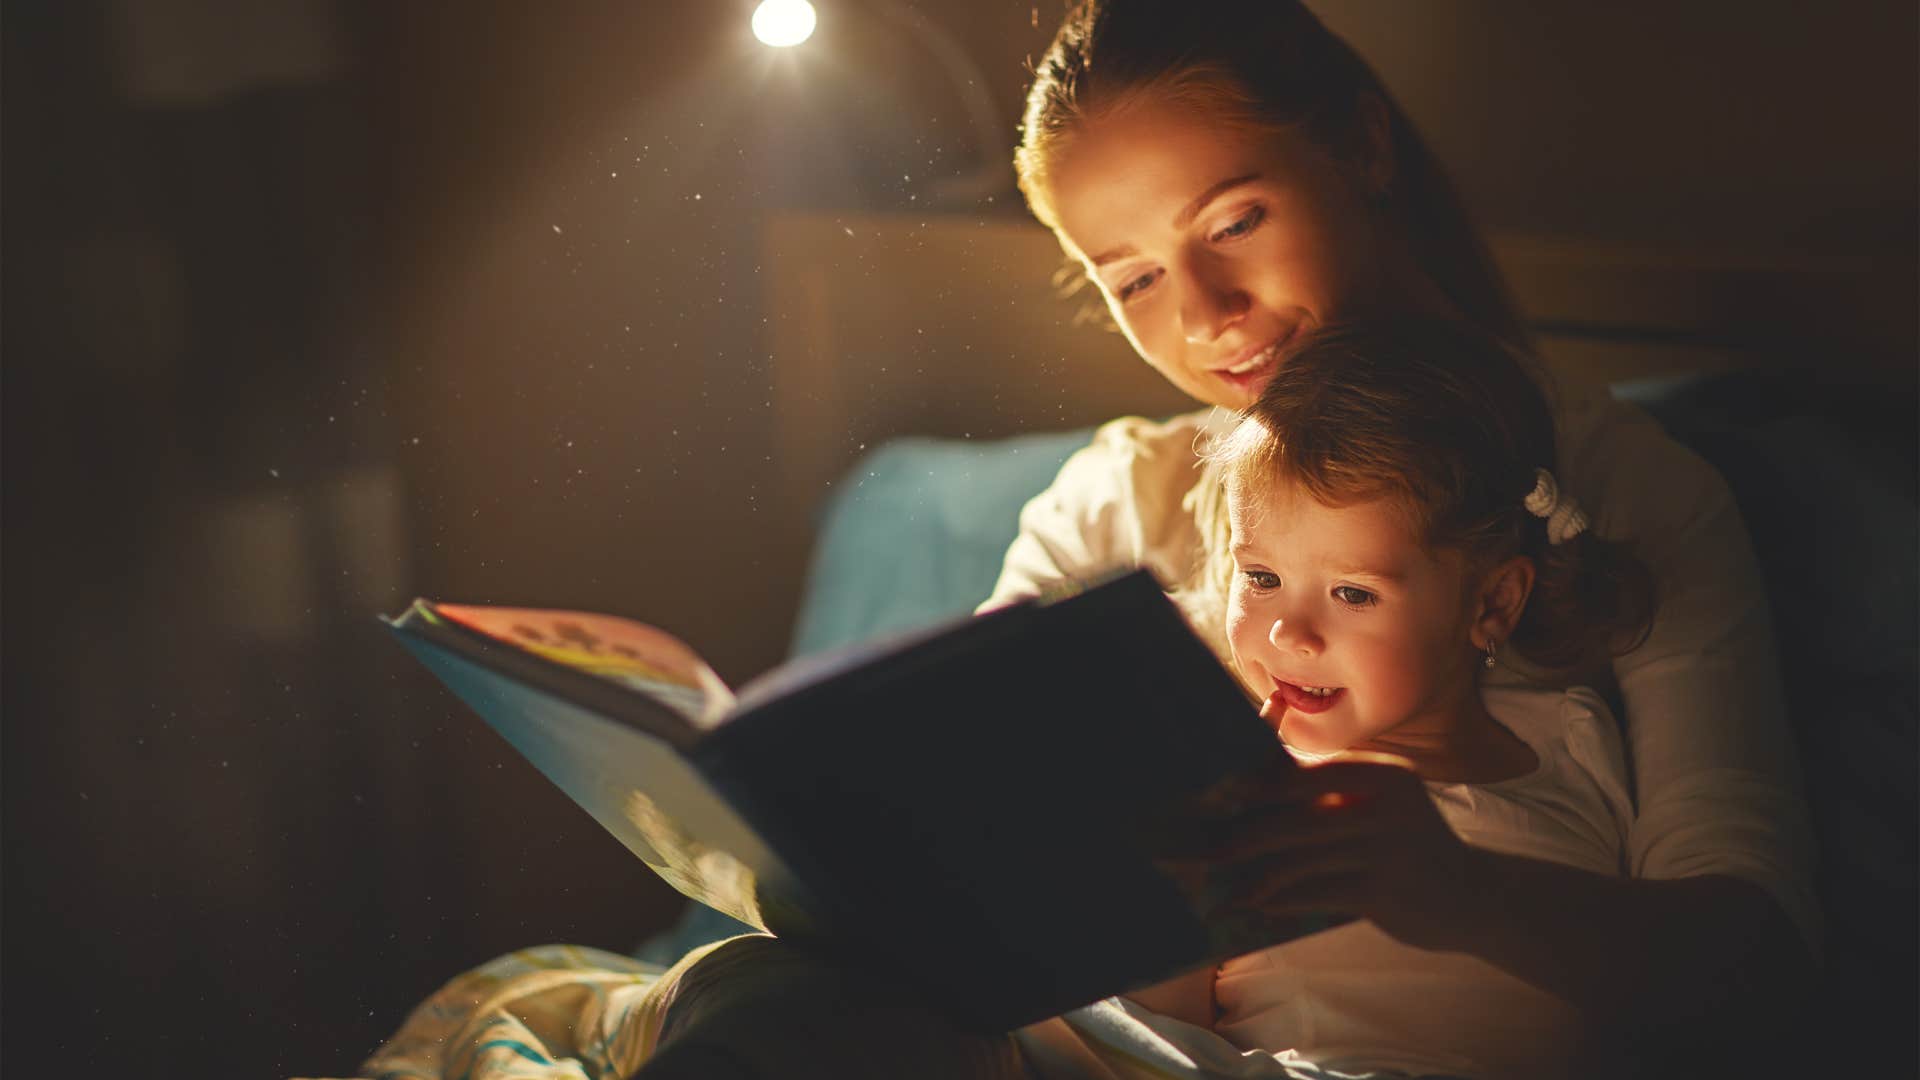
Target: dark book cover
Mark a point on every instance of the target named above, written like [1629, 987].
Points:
[963, 807]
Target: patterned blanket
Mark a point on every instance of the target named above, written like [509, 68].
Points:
[568, 1012]
[553, 1012]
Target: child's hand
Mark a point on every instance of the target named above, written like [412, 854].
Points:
[1355, 836]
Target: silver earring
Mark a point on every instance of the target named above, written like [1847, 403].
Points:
[1489, 660]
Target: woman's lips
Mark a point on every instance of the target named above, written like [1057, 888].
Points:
[1252, 373]
[1254, 378]
[1299, 700]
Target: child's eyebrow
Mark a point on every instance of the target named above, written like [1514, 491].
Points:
[1385, 577]
[1388, 577]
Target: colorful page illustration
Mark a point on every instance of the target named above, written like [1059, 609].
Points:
[633, 654]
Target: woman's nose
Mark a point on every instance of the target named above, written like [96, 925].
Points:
[1212, 304]
[1293, 636]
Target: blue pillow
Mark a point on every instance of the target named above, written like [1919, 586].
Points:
[916, 532]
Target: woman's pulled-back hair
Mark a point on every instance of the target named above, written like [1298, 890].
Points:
[1264, 66]
[1450, 425]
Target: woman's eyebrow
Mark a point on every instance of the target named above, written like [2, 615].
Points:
[1182, 219]
[1192, 210]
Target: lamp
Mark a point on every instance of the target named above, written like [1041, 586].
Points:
[783, 23]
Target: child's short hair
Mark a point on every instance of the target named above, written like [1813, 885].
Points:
[1450, 425]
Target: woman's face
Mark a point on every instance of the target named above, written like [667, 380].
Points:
[1214, 247]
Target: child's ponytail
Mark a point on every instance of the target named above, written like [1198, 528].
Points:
[1592, 600]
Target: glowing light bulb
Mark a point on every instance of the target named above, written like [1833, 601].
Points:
[783, 23]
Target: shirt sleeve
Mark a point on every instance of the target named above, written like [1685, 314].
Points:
[1717, 781]
[1114, 505]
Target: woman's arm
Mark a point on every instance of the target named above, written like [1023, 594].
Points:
[1717, 780]
[1639, 956]
[1115, 504]
[1708, 954]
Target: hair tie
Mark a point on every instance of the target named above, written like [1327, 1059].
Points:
[1564, 517]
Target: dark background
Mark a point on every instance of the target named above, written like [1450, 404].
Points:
[310, 307]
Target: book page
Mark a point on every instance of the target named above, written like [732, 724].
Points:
[632, 654]
[637, 785]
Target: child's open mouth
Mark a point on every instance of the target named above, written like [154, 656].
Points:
[1308, 699]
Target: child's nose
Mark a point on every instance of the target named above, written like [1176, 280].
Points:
[1293, 635]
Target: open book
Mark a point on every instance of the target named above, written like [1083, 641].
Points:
[964, 806]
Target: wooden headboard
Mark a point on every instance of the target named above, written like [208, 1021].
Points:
[889, 324]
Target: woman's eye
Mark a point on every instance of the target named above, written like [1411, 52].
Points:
[1353, 597]
[1261, 580]
[1242, 225]
[1133, 285]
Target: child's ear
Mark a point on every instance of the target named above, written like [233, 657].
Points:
[1500, 599]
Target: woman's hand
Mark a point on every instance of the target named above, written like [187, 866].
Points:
[1355, 836]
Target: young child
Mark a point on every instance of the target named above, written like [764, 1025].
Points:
[1392, 531]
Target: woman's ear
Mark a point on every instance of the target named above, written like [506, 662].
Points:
[1499, 600]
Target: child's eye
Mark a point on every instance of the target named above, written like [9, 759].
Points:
[1353, 597]
[1262, 580]
[1242, 225]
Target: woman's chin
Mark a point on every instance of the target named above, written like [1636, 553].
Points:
[1237, 397]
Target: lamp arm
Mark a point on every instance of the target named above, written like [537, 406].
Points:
[989, 176]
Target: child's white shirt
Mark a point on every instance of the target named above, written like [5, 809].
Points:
[1353, 999]
[1352, 996]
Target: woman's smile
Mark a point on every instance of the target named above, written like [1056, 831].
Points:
[1250, 369]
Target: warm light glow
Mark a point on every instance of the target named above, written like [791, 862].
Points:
[783, 23]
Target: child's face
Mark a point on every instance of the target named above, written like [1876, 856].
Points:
[1212, 246]
[1345, 598]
